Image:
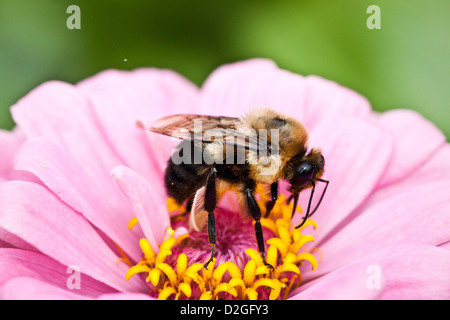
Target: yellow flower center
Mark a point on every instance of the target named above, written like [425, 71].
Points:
[286, 253]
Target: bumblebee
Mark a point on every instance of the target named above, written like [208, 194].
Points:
[218, 154]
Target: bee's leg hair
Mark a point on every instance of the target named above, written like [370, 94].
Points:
[255, 212]
[274, 196]
[210, 205]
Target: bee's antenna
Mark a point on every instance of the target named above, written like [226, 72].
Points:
[321, 197]
[295, 196]
[309, 205]
[308, 213]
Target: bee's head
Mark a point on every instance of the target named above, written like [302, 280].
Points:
[307, 170]
[302, 177]
[304, 172]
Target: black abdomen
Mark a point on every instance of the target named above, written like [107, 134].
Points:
[184, 179]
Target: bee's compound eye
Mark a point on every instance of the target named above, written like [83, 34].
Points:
[305, 169]
[303, 175]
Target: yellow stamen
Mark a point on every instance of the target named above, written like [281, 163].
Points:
[181, 238]
[254, 255]
[272, 255]
[178, 279]
[162, 255]
[279, 244]
[166, 293]
[251, 294]
[169, 272]
[146, 248]
[297, 245]
[284, 234]
[186, 289]
[269, 224]
[167, 244]
[225, 287]
[181, 265]
[286, 268]
[207, 295]
[288, 289]
[134, 221]
[154, 276]
[237, 283]
[192, 272]
[308, 257]
[226, 266]
[173, 206]
[249, 272]
[274, 284]
[262, 270]
[135, 270]
[319, 251]
[296, 235]
[124, 258]
[308, 223]
[207, 273]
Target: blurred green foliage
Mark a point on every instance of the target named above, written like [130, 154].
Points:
[405, 64]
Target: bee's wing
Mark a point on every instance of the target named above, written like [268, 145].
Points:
[207, 129]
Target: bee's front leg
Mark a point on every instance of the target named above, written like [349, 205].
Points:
[210, 206]
[273, 198]
[255, 212]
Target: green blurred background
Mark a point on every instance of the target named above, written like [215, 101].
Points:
[405, 64]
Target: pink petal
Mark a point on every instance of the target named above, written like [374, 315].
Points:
[9, 240]
[445, 245]
[393, 272]
[32, 213]
[160, 150]
[147, 201]
[346, 283]
[69, 181]
[437, 168]
[418, 215]
[236, 88]
[59, 113]
[416, 272]
[10, 142]
[16, 263]
[415, 141]
[33, 289]
[356, 154]
[325, 98]
[120, 98]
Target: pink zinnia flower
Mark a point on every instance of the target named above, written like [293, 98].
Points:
[83, 210]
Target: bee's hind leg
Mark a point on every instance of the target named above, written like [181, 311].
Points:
[210, 205]
[255, 213]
